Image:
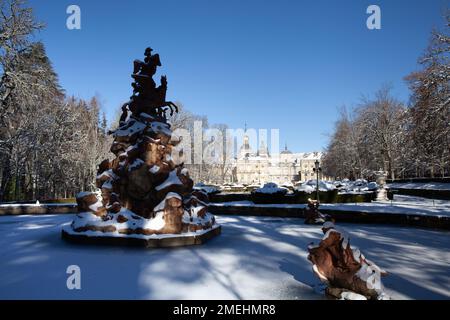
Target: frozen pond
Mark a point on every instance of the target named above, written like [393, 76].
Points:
[254, 258]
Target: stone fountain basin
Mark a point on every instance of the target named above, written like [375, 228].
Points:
[139, 240]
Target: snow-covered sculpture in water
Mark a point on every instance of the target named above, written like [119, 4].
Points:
[345, 270]
[143, 191]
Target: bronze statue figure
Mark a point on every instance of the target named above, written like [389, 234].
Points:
[147, 98]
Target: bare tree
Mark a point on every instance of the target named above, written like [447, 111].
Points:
[342, 158]
[380, 126]
[430, 104]
[384, 134]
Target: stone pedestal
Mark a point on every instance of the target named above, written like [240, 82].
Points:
[381, 181]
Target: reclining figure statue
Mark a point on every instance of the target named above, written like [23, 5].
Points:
[344, 270]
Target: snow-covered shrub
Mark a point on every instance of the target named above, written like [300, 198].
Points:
[288, 185]
[208, 189]
[233, 188]
[311, 185]
[271, 188]
[305, 188]
[372, 186]
[360, 185]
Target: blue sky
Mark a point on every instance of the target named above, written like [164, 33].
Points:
[270, 64]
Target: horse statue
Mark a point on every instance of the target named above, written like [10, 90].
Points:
[155, 104]
[161, 100]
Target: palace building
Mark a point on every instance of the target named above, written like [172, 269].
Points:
[260, 167]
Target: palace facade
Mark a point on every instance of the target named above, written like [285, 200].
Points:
[287, 167]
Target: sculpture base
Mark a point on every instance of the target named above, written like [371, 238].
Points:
[382, 195]
[162, 241]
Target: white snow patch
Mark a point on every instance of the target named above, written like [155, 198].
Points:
[107, 174]
[83, 194]
[402, 205]
[96, 206]
[196, 210]
[136, 164]
[171, 180]
[267, 255]
[311, 186]
[107, 185]
[88, 219]
[156, 223]
[162, 204]
[160, 127]
[271, 188]
[154, 169]
[135, 127]
[348, 295]
[420, 185]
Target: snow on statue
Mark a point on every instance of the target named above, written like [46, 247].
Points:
[144, 192]
[345, 270]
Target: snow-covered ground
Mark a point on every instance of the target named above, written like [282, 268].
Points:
[420, 185]
[254, 258]
[401, 204]
[247, 203]
[37, 204]
[418, 201]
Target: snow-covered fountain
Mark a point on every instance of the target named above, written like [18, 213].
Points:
[145, 195]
